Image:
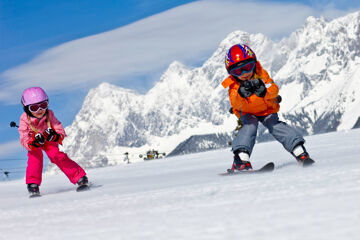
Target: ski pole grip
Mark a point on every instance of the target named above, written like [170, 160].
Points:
[278, 99]
[13, 124]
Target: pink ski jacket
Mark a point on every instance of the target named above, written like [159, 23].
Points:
[27, 132]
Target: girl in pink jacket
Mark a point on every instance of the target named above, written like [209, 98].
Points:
[41, 131]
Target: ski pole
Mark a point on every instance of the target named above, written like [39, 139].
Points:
[13, 124]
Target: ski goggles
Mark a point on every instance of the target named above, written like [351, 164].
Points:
[37, 106]
[242, 69]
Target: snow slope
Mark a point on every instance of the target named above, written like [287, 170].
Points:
[183, 198]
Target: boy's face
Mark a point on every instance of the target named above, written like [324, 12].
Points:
[246, 76]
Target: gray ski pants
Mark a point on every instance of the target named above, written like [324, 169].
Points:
[286, 135]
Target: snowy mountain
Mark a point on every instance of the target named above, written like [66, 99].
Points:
[320, 79]
[183, 197]
[317, 69]
[197, 143]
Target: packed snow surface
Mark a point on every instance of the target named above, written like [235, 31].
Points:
[184, 198]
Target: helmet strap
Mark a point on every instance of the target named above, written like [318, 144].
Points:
[236, 78]
[254, 71]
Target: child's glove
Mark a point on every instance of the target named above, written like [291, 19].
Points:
[38, 141]
[51, 136]
[258, 87]
[246, 89]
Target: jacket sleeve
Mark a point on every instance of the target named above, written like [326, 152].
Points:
[273, 89]
[26, 134]
[236, 100]
[57, 126]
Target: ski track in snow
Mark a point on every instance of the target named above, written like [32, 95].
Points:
[184, 198]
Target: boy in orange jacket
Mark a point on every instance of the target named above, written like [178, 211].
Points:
[254, 98]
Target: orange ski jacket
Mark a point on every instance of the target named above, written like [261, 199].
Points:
[253, 105]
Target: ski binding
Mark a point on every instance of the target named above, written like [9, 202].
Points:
[269, 167]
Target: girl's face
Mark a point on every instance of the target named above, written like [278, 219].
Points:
[40, 113]
[38, 109]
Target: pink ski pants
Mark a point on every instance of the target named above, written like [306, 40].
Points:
[35, 164]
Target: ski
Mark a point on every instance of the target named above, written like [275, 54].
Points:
[35, 195]
[308, 162]
[269, 167]
[82, 188]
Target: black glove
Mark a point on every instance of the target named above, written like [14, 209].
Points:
[51, 136]
[245, 90]
[258, 87]
[38, 141]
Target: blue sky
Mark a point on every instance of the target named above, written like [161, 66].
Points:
[39, 39]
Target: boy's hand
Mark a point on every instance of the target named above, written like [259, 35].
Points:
[258, 87]
[246, 89]
[38, 141]
[51, 136]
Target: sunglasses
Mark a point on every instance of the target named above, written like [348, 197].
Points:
[37, 106]
[242, 69]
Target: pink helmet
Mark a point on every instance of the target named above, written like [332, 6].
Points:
[33, 95]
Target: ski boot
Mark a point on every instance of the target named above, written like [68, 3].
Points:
[83, 184]
[33, 189]
[240, 165]
[302, 156]
[304, 159]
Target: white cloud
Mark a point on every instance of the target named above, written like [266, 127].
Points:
[185, 33]
[8, 148]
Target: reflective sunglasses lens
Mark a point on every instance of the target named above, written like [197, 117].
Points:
[236, 72]
[33, 108]
[249, 67]
[36, 107]
[44, 105]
